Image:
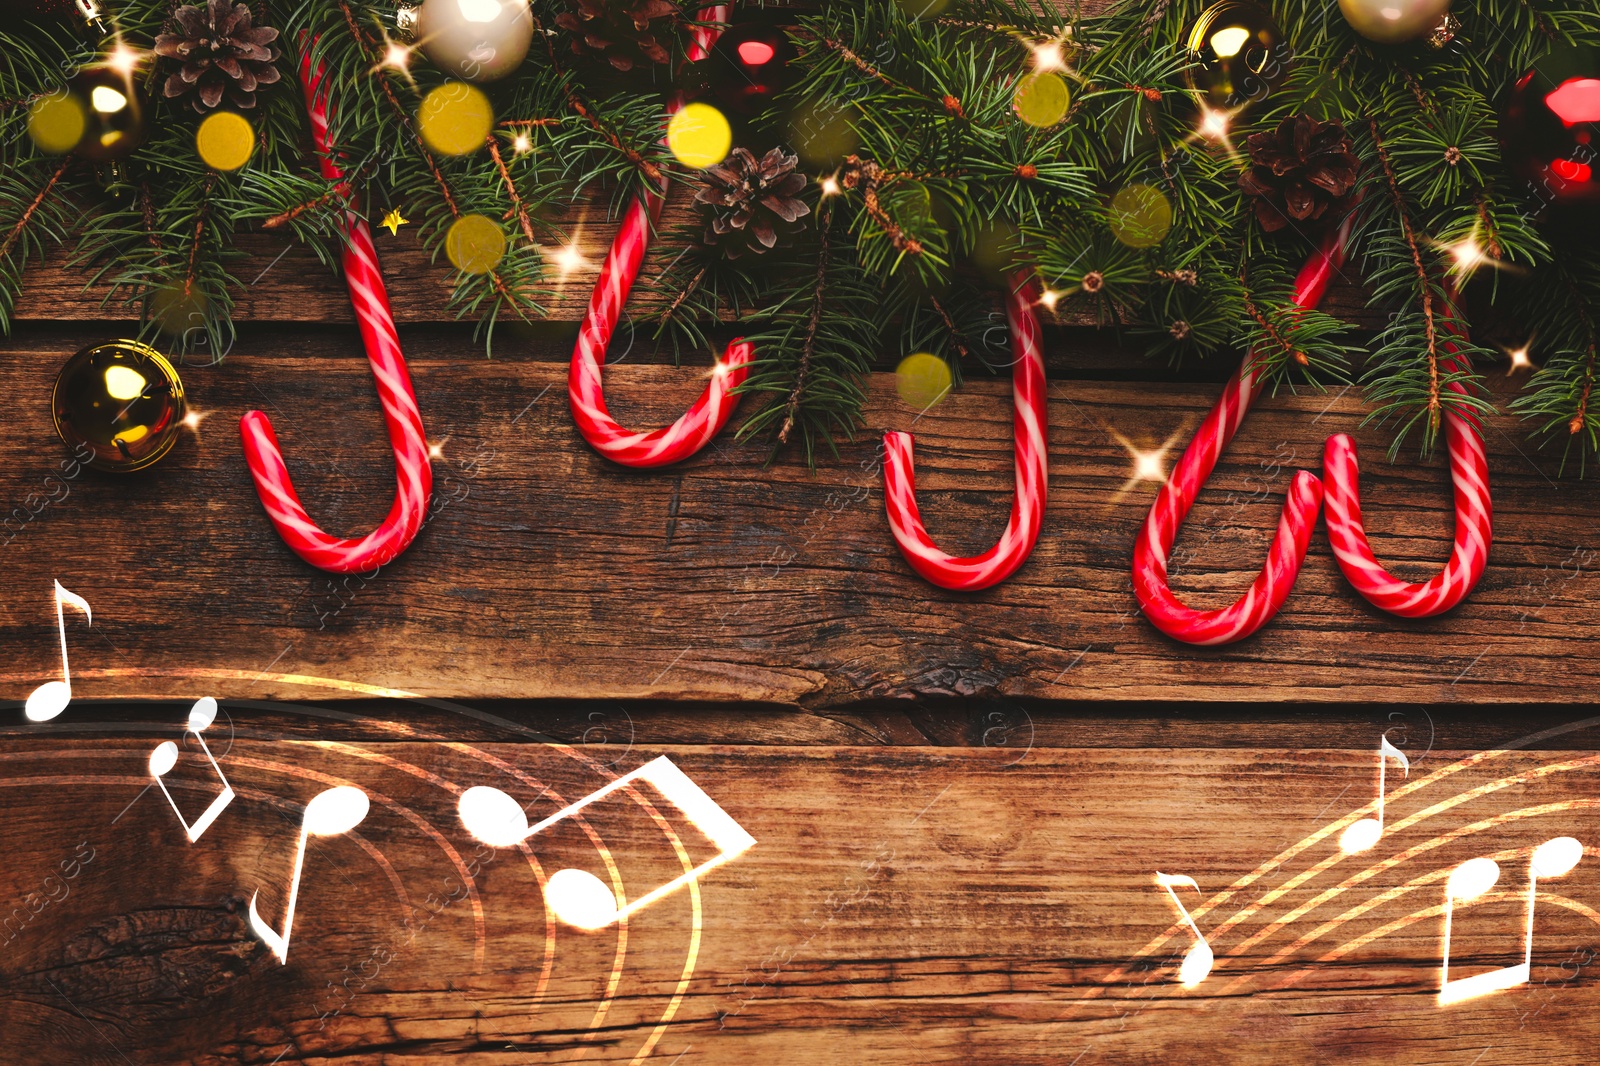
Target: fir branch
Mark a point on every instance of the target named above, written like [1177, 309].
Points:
[517, 206]
[868, 175]
[809, 345]
[32, 209]
[1424, 283]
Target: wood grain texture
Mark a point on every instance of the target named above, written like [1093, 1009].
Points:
[282, 281]
[905, 905]
[546, 573]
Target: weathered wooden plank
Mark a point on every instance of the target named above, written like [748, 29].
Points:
[548, 573]
[282, 281]
[908, 905]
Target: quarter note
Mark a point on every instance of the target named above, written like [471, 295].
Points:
[334, 811]
[1472, 879]
[1197, 961]
[1359, 836]
[52, 697]
[578, 897]
[165, 757]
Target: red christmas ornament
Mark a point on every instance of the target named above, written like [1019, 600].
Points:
[1551, 127]
[749, 65]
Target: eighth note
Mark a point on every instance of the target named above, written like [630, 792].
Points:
[331, 812]
[165, 757]
[52, 697]
[578, 897]
[1472, 879]
[1197, 962]
[1359, 836]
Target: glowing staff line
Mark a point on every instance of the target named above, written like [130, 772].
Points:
[1545, 770]
[1219, 898]
[405, 812]
[619, 958]
[697, 916]
[1486, 824]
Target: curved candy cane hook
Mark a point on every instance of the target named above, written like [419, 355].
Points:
[407, 438]
[1030, 426]
[1469, 474]
[1271, 587]
[694, 429]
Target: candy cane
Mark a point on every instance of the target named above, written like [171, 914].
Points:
[585, 391]
[406, 436]
[1469, 474]
[1030, 426]
[1150, 552]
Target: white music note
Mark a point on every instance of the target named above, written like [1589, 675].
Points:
[1472, 879]
[1359, 836]
[578, 897]
[1197, 961]
[165, 757]
[334, 811]
[52, 697]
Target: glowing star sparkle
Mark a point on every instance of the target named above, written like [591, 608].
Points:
[1214, 125]
[1049, 56]
[393, 221]
[1147, 465]
[1049, 298]
[567, 258]
[520, 143]
[1519, 359]
[829, 186]
[124, 60]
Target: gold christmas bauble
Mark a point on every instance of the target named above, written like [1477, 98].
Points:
[123, 401]
[1394, 21]
[115, 111]
[479, 40]
[1237, 54]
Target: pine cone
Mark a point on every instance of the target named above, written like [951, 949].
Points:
[747, 199]
[221, 54]
[622, 32]
[1302, 169]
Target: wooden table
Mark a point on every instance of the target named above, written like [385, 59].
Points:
[959, 809]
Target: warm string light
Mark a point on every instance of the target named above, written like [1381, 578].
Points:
[521, 143]
[436, 448]
[1519, 358]
[1049, 298]
[1147, 465]
[396, 56]
[124, 59]
[567, 258]
[830, 186]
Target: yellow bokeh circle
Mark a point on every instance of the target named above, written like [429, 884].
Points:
[699, 136]
[56, 123]
[225, 140]
[1140, 216]
[455, 118]
[475, 244]
[922, 380]
[1042, 99]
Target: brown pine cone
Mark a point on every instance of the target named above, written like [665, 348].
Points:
[622, 32]
[749, 203]
[1302, 169]
[221, 53]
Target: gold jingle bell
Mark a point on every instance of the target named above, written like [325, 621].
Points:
[122, 401]
[1237, 54]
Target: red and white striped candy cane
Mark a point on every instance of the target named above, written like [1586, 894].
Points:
[406, 436]
[585, 390]
[1469, 474]
[1030, 427]
[1150, 552]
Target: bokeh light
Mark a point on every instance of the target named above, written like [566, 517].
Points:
[1042, 98]
[475, 244]
[922, 380]
[225, 140]
[699, 136]
[455, 118]
[1140, 216]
